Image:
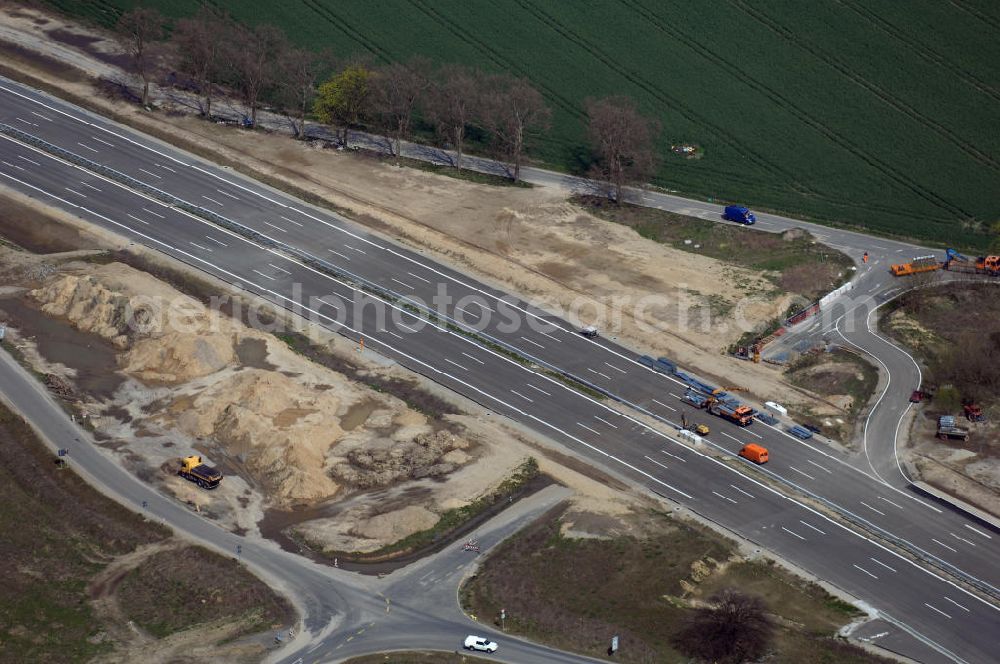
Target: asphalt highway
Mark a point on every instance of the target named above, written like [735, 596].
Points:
[915, 598]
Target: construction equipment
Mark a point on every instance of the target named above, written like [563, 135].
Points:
[754, 452]
[956, 262]
[953, 433]
[973, 413]
[740, 414]
[916, 266]
[695, 399]
[205, 476]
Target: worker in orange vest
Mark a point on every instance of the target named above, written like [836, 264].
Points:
[865, 257]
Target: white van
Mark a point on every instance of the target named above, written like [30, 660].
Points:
[776, 408]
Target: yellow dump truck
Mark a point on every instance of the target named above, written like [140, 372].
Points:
[205, 476]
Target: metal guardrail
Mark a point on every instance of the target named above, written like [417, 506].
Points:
[459, 328]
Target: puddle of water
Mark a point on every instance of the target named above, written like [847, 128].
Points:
[94, 359]
[357, 414]
[253, 353]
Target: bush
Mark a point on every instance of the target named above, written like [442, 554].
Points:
[948, 399]
[737, 629]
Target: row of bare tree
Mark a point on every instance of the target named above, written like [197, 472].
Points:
[216, 54]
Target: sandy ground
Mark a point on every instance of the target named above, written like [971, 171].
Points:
[968, 470]
[531, 241]
[287, 432]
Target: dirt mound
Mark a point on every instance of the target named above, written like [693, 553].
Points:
[280, 428]
[170, 338]
[295, 431]
[383, 462]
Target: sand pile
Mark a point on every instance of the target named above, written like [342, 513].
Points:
[292, 428]
[280, 428]
[170, 338]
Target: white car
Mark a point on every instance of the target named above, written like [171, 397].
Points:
[590, 332]
[480, 644]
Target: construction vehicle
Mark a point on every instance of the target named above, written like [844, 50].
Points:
[973, 413]
[739, 414]
[956, 262]
[693, 398]
[205, 476]
[916, 266]
[952, 433]
[754, 452]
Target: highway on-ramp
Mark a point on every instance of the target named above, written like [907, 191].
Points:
[336, 274]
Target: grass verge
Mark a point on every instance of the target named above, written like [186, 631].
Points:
[454, 520]
[173, 590]
[57, 533]
[576, 593]
[793, 261]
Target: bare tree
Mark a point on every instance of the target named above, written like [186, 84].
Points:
[623, 140]
[300, 73]
[451, 105]
[737, 629]
[138, 30]
[396, 88]
[199, 42]
[510, 109]
[253, 54]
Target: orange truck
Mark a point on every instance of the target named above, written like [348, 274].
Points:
[754, 452]
[989, 265]
[741, 415]
[916, 266]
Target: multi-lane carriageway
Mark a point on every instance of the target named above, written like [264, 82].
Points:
[731, 494]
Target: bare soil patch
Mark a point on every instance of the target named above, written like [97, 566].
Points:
[846, 379]
[793, 261]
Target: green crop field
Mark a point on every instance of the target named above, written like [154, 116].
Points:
[875, 113]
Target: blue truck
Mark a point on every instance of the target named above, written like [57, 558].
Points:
[739, 214]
